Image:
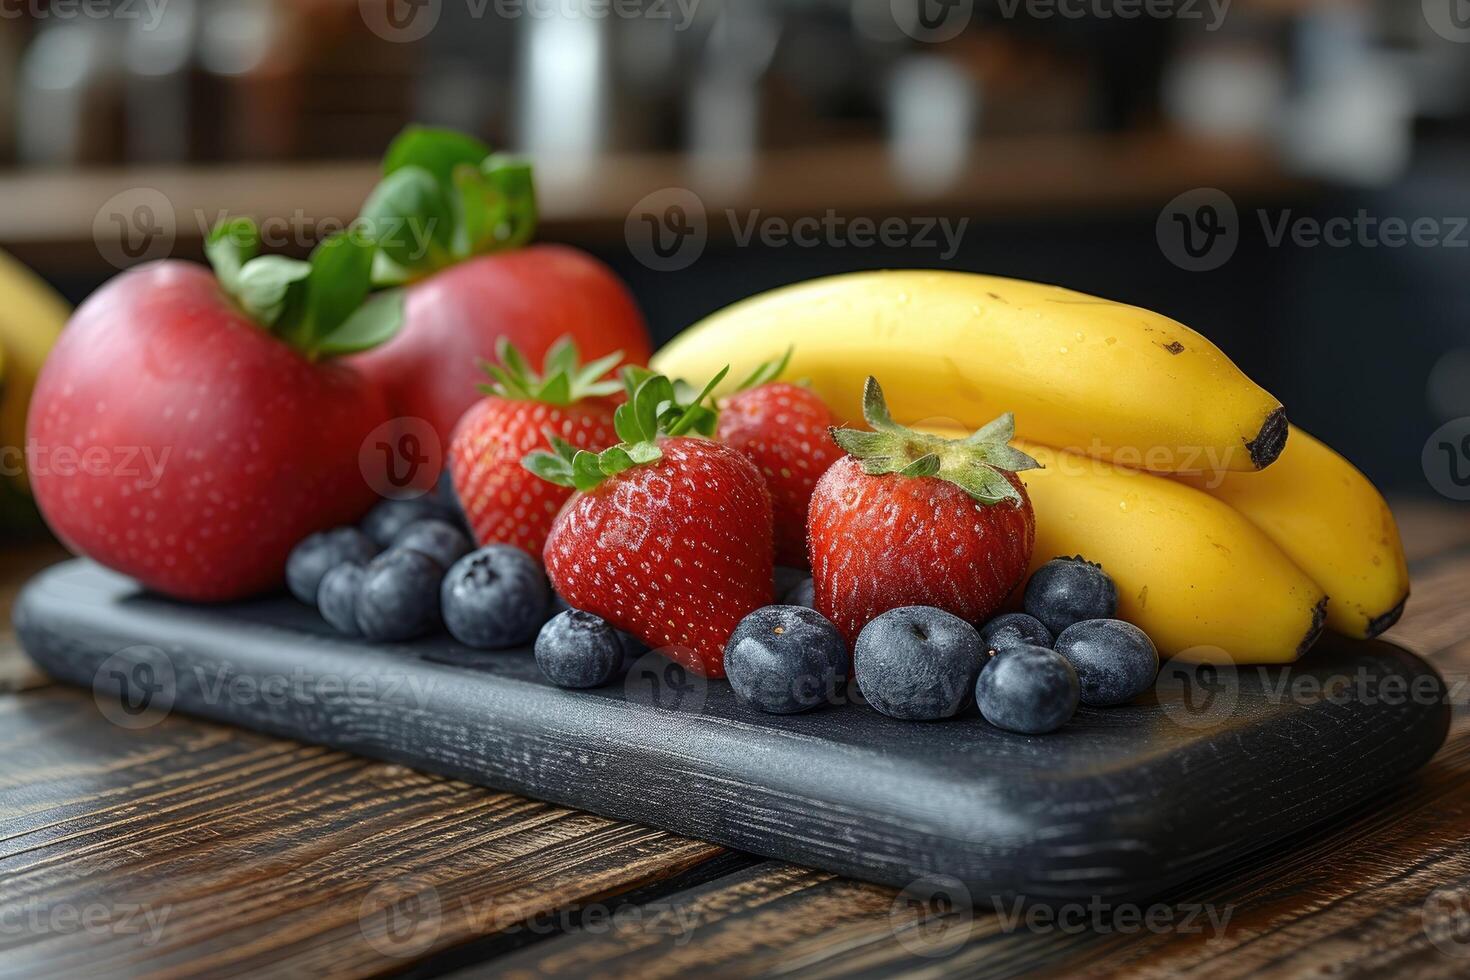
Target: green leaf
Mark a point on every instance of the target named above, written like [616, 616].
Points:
[556, 390]
[1006, 457]
[374, 323]
[410, 219]
[644, 452]
[341, 276]
[230, 245]
[437, 151]
[269, 284]
[926, 465]
[591, 375]
[479, 210]
[652, 395]
[586, 473]
[986, 485]
[514, 186]
[875, 408]
[614, 460]
[691, 417]
[561, 356]
[1002, 428]
[551, 468]
[560, 446]
[766, 371]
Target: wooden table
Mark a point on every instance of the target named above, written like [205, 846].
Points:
[189, 848]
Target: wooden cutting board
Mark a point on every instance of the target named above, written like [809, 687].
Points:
[1121, 804]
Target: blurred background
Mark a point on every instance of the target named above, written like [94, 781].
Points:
[1288, 176]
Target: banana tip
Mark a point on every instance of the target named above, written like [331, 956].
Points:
[1380, 624]
[1270, 440]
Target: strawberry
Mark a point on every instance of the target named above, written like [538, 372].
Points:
[504, 503]
[668, 537]
[782, 429]
[217, 425]
[909, 519]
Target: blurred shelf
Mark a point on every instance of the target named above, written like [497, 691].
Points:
[49, 219]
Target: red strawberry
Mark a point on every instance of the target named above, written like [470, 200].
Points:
[188, 430]
[915, 520]
[503, 502]
[782, 429]
[668, 538]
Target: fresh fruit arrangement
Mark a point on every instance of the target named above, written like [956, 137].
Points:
[456, 220]
[790, 524]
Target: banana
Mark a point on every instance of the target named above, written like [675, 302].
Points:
[31, 318]
[1203, 582]
[1332, 523]
[1083, 373]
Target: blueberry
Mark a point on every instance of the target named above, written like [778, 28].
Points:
[787, 578]
[400, 596]
[337, 597]
[319, 553]
[578, 649]
[1015, 629]
[438, 539]
[785, 659]
[1115, 661]
[494, 598]
[1026, 689]
[918, 663]
[384, 521]
[802, 594]
[1068, 590]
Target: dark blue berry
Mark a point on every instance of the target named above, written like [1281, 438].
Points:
[318, 553]
[400, 596]
[384, 521]
[785, 659]
[1031, 690]
[1068, 590]
[578, 649]
[1015, 629]
[439, 539]
[494, 598]
[337, 597]
[802, 594]
[788, 578]
[918, 663]
[1115, 661]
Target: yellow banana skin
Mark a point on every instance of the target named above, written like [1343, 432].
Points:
[1203, 582]
[31, 318]
[1083, 373]
[1332, 523]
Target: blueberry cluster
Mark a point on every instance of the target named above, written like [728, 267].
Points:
[411, 568]
[1027, 672]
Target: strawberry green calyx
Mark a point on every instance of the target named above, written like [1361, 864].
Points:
[766, 371]
[652, 411]
[444, 198]
[564, 379]
[977, 465]
[320, 306]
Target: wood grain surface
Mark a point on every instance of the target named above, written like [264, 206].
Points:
[282, 859]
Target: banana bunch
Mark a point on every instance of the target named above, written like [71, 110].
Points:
[1232, 536]
[31, 318]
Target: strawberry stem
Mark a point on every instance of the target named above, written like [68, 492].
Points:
[978, 464]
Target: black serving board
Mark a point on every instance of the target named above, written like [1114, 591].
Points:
[1121, 804]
